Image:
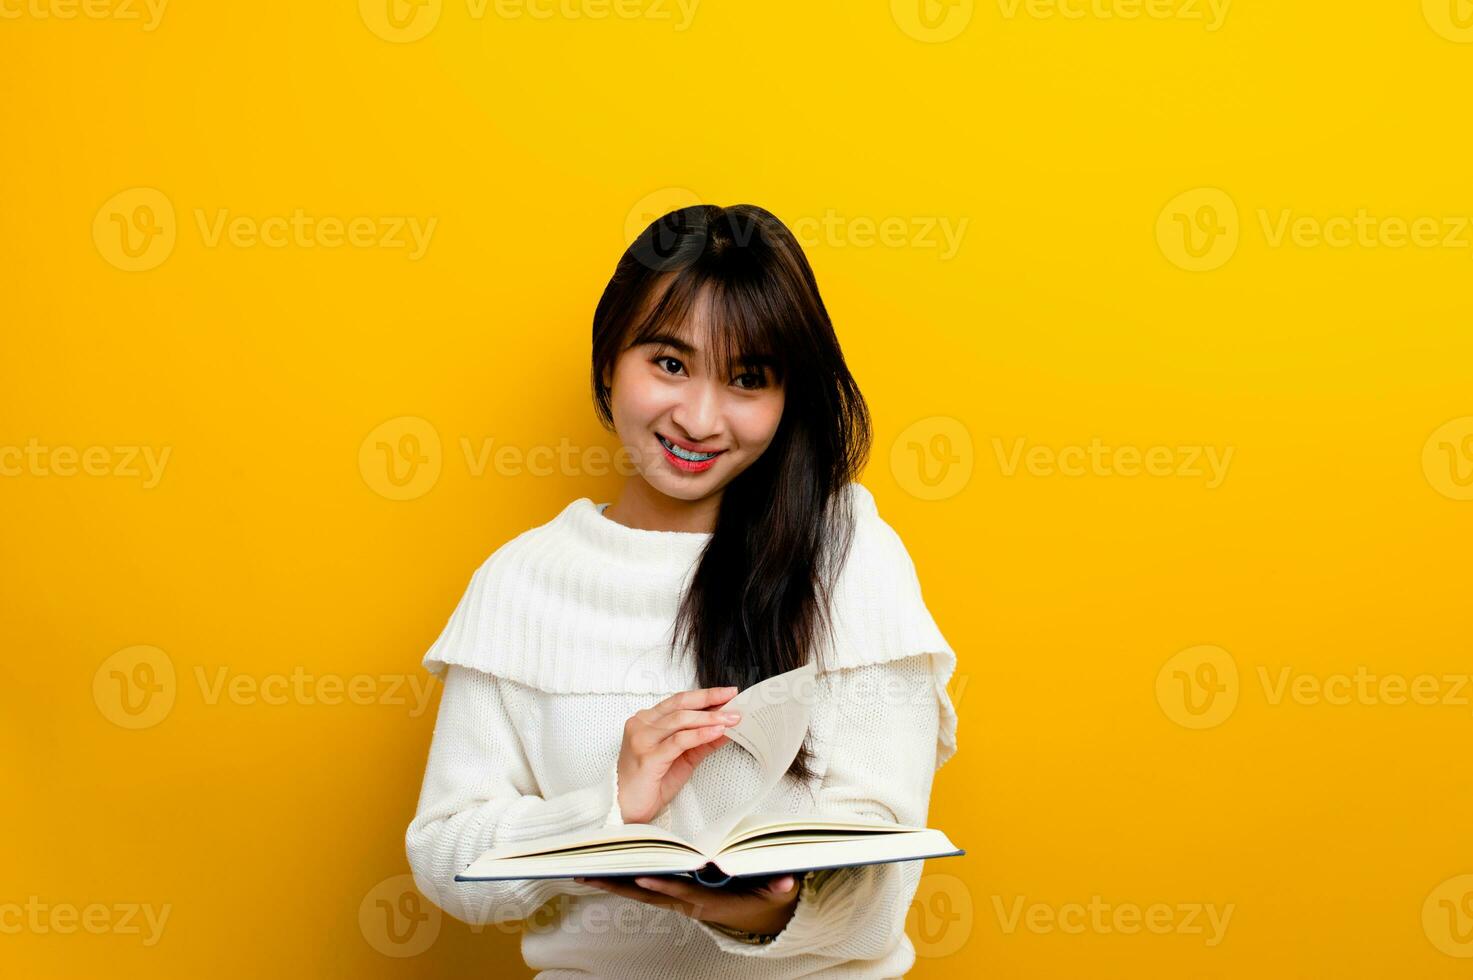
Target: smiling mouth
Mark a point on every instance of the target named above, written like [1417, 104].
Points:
[686, 454]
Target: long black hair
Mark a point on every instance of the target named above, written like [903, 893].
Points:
[761, 592]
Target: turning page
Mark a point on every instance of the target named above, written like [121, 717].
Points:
[775, 716]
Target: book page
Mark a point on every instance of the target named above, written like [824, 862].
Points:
[775, 717]
[631, 858]
[837, 851]
[584, 841]
[762, 824]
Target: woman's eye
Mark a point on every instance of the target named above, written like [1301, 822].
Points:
[758, 380]
[667, 357]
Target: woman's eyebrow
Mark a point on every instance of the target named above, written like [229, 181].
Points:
[668, 340]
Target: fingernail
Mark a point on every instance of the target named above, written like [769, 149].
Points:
[644, 882]
[731, 716]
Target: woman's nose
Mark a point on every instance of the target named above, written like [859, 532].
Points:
[699, 412]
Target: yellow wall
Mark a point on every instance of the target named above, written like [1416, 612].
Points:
[1184, 691]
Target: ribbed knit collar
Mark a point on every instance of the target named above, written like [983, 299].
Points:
[585, 521]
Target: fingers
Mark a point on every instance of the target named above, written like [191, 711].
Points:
[685, 729]
[701, 697]
[654, 891]
[648, 737]
[673, 887]
[695, 755]
[672, 747]
[695, 900]
[690, 718]
[769, 887]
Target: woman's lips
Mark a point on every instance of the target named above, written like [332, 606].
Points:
[689, 447]
[685, 465]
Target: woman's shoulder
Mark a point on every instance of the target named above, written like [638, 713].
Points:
[877, 555]
[877, 608]
[534, 541]
[498, 586]
[571, 605]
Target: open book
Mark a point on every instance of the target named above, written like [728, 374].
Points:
[775, 716]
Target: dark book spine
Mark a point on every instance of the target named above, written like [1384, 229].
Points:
[711, 876]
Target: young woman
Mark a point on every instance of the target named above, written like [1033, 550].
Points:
[586, 666]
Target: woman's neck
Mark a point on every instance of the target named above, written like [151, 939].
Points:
[644, 508]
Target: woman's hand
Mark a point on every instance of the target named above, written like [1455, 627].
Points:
[663, 744]
[763, 908]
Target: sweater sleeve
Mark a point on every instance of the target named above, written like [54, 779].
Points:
[478, 793]
[886, 718]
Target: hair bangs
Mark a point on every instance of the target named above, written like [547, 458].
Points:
[733, 325]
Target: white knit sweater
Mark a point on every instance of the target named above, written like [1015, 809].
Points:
[562, 634]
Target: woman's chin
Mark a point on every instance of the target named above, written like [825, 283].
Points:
[686, 486]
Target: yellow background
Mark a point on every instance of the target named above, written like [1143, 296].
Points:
[1071, 147]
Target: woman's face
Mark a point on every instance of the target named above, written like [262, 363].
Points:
[672, 411]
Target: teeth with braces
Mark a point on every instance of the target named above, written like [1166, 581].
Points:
[685, 454]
